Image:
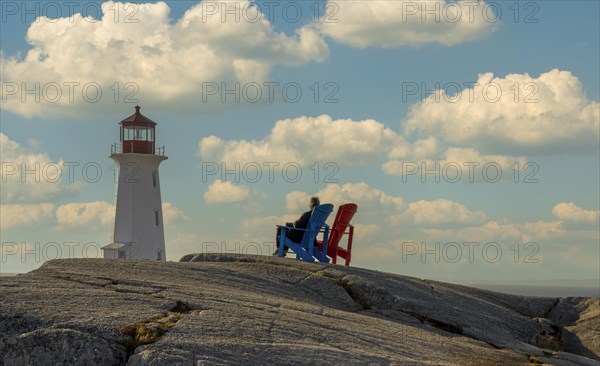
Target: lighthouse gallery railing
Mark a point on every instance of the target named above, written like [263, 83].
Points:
[117, 148]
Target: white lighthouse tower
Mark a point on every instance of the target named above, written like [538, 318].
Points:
[139, 232]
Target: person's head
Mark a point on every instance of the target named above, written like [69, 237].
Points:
[314, 201]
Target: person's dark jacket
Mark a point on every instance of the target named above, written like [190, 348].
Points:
[301, 223]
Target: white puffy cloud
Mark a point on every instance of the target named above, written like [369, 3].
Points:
[258, 224]
[25, 214]
[395, 23]
[305, 140]
[460, 129]
[374, 253]
[365, 233]
[344, 142]
[367, 198]
[501, 231]
[99, 214]
[548, 114]
[456, 164]
[220, 192]
[437, 212]
[172, 214]
[447, 133]
[420, 149]
[393, 208]
[28, 176]
[152, 59]
[464, 156]
[571, 212]
[297, 201]
[92, 214]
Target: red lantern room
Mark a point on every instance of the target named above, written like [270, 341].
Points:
[137, 135]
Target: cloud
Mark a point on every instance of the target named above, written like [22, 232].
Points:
[345, 142]
[396, 23]
[571, 212]
[447, 133]
[101, 214]
[456, 164]
[460, 129]
[31, 177]
[424, 148]
[225, 192]
[25, 214]
[392, 208]
[258, 224]
[437, 212]
[451, 130]
[364, 233]
[374, 253]
[92, 214]
[305, 140]
[549, 115]
[172, 214]
[501, 231]
[371, 200]
[134, 51]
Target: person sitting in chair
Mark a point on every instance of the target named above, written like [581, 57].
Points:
[301, 223]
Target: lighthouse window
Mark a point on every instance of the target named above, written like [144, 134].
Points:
[140, 133]
[156, 217]
[154, 179]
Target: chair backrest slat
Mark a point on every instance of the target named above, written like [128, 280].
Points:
[317, 221]
[340, 224]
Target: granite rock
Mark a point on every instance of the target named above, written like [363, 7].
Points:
[224, 309]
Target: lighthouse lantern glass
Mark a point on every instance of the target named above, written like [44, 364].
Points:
[138, 133]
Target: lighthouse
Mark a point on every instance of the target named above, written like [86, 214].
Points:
[139, 229]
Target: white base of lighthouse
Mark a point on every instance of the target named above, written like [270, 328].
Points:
[139, 229]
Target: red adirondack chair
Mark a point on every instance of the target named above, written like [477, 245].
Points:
[338, 229]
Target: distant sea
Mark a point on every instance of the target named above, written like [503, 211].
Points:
[550, 288]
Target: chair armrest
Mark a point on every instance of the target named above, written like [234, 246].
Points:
[297, 228]
[291, 227]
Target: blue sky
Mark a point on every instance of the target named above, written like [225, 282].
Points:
[366, 54]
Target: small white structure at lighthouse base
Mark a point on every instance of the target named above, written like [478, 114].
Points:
[139, 229]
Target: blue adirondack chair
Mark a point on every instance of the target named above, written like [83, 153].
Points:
[306, 249]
